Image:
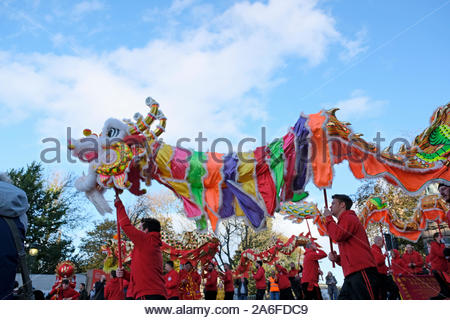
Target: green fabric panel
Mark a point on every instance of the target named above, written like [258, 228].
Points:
[299, 197]
[195, 175]
[277, 163]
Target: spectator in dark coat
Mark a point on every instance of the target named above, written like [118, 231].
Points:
[331, 282]
[241, 285]
[13, 205]
[83, 292]
[99, 287]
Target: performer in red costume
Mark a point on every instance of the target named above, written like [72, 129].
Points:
[64, 291]
[283, 283]
[294, 278]
[387, 287]
[211, 282]
[310, 276]
[172, 281]
[146, 276]
[189, 283]
[398, 267]
[412, 260]
[228, 282]
[439, 266]
[113, 291]
[355, 257]
[260, 279]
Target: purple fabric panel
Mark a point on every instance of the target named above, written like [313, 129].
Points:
[226, 210]
[252, 210]
[301, 161]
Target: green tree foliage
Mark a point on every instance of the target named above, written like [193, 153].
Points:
[51, 214]
[91, 255]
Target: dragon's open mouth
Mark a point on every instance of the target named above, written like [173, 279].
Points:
[88, 156]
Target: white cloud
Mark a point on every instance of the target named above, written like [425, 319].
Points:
[356, 46]
[85, 7]
[209, 79]
[359, 105]
[178, 6]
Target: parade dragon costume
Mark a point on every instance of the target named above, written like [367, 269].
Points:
[430, 208]
[197, 248]
[270, 255]
[220, 186]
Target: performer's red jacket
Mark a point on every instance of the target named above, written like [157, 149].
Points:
[113, 290]
[379, 259]
[398, 265]
[260, 278]
[172, 282]
[413, 257]
[283, 279]
[355, 254]
[190, 288]
[437, 258]
[211, 280]
[311, 265]
[293, 273]
[69, 293]
[228, 281]
[146, 276]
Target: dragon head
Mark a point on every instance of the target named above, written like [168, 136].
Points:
[118, 157]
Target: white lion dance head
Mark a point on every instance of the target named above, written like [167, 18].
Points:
[119, 157]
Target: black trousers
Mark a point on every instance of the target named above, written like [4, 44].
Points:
[314, 294]
[360, 285]
[210, 295]
[296, 289]
[152, 297]
[229, 295]
[286, 294]
[260, 294]
[442, 283]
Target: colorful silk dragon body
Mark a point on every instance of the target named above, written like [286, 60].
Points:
[252, 185]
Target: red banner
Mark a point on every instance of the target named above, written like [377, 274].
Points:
[417, 287]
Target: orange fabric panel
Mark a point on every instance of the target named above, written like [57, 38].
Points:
[321, 162]
[365, 165]
[212, 183]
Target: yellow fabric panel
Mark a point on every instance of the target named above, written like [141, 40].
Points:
[246, 170]
[181, 187]
[162, 160]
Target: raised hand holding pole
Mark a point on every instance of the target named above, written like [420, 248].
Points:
[326, 206]
[119, 241]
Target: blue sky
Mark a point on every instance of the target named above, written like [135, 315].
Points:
[225, 68]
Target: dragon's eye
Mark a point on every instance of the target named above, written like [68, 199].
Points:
[112, 132]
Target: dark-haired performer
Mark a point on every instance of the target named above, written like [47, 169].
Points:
[227, 278]
[356, 259]
[260, 279]
[439, 265]
[64, 292]
[172, 281]
[210, 275]
[146, 275]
